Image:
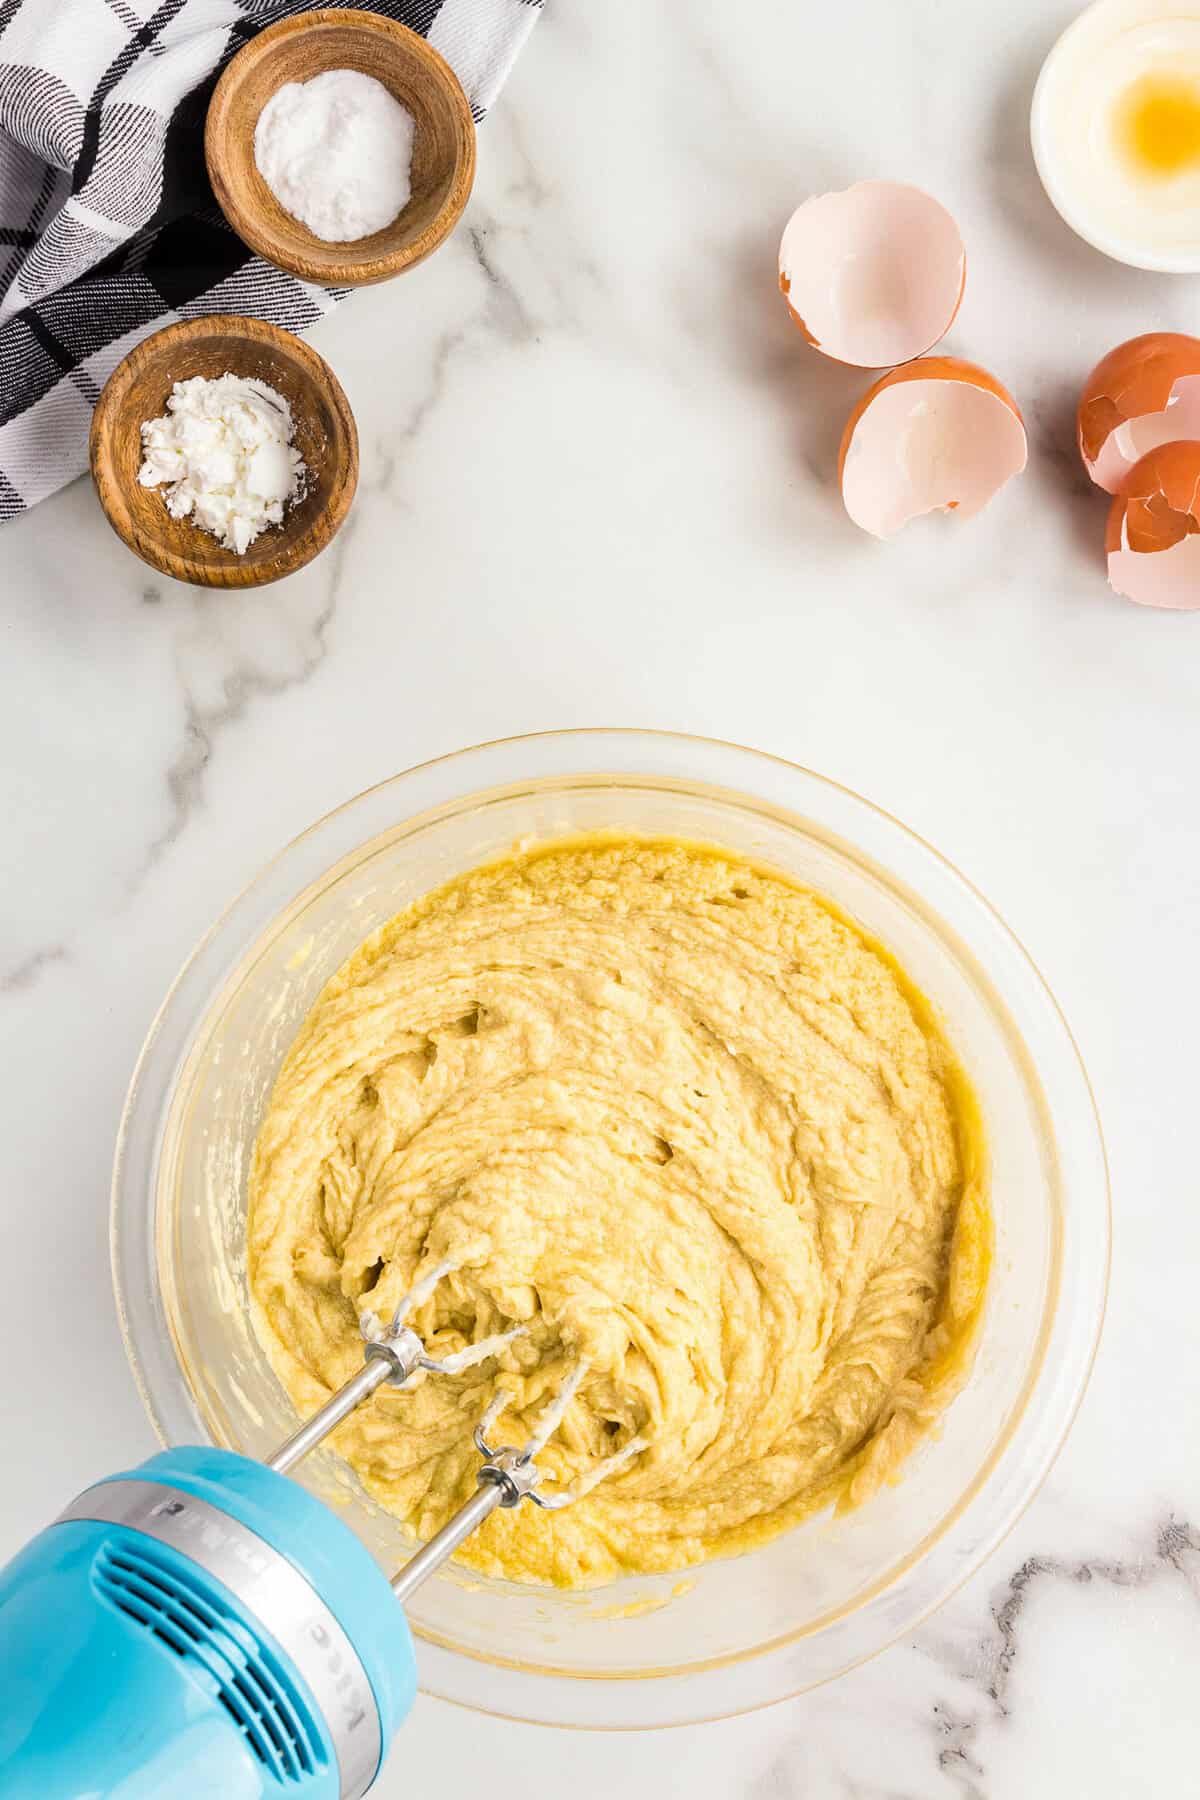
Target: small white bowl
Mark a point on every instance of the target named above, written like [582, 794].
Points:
[1134, 34]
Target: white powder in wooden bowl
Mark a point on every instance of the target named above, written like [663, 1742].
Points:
[336, 152]
[223, 455]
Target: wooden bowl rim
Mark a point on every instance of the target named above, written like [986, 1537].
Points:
[349, 271]
[297, 552]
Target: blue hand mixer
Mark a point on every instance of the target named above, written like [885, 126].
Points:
[202, 1627]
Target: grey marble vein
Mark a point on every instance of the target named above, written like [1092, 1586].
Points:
[29, 970]
[953, 1735]
[527, 181]
[241, 685]
[1174, 1542]
[507, 310]
[445, 349]
[991, 1660]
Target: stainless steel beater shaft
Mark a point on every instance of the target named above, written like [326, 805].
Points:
[339, 1406]
[441, 1548]
[394, 1355]
[505, 1479]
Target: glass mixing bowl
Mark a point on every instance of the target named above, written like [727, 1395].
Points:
[733, 1634]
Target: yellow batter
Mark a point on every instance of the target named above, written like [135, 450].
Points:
[682, 1121]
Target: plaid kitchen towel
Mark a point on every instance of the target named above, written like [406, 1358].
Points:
[108, 227]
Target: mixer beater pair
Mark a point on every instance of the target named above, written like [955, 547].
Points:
[393, 1353]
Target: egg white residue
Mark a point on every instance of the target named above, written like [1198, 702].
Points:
[1132, 213]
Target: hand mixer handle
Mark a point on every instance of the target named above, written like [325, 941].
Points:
[199, 1625]
[203, 1625]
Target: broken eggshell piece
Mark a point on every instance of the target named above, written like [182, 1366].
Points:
[1142, 394]
[873, 275]
[939, 434]
[1153, 537]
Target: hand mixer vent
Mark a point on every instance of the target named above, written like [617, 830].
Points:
[171, 1600]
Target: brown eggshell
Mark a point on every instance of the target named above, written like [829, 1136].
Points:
[1144, 393]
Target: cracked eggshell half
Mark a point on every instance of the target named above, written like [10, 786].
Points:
[1153, 536]
[873, 275]
[937, 435]
[1142, 394]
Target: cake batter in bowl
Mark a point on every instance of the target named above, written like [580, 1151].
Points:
[662, 1641]
[684, 1129]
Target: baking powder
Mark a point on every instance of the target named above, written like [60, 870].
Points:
[336, 152]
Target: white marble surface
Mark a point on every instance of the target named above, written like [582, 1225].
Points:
[597, 489]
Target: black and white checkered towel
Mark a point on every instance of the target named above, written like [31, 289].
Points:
[108, 227]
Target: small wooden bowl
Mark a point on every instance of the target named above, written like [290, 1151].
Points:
[443, 163]
[326, 438]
